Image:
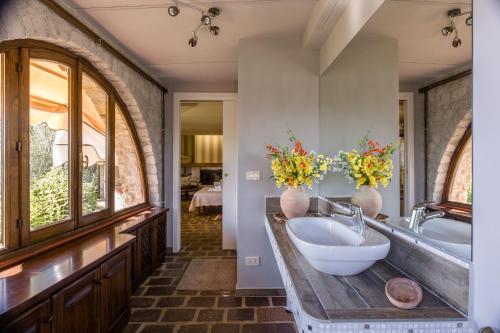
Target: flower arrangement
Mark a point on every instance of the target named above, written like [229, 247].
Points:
[296, 167]
[370, 166]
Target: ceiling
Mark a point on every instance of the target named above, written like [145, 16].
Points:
[201, 118]
[424, 54]
[160, 42]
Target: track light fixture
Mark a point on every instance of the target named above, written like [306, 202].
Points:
[173, 11]
[206, 19]
[452, 28]
[214, 30]
[193, 40]
[214, 11]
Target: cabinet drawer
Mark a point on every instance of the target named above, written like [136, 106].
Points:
[77, 307]
[36, 320]
[115, 292]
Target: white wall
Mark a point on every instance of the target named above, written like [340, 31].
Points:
[360, 93]
[355, 16]
[278, 84]
[485, 282]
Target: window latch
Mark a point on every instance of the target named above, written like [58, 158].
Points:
[19, 146]
[19, 67]
[19, 223]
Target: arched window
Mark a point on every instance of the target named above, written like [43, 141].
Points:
[69, 153]
[458, 185]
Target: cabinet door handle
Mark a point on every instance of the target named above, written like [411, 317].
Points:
[49, 320]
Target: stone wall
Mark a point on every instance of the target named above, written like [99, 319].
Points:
[127, 168]
[449, 115]
[31, 19]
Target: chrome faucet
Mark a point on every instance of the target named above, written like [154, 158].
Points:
[419, 215]
[352, 211]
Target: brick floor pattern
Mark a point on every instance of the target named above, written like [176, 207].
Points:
[157, 307]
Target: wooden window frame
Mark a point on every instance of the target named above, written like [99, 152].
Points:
[452, 169]
[110, 112]
[11, 130]
[16, 129]
[58, 227]
[138, 152]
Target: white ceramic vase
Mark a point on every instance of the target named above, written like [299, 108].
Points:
[368, 198]
[294, 202]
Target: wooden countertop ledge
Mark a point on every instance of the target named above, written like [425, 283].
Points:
[29, 282]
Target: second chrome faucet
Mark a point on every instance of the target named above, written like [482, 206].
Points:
[419, 215]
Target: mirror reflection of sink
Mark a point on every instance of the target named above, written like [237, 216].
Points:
[332, 247]
[453, 236]
[450, 235]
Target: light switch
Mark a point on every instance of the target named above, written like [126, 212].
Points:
[252, 261]
[253, 175]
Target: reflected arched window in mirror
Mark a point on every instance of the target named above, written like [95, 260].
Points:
[458, 185]
[129, 190]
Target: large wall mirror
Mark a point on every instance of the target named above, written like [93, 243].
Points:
[406, 79]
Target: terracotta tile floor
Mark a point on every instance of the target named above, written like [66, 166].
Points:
[158, 307]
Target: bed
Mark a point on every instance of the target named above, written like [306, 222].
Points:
[207, 196]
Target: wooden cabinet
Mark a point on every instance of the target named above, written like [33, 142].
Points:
[36, 320]
[77, 307]
[133, 261]
[150, 248]
[145, 251]
[93, 289]
[115, 292]
[160, 225]
[99, 301]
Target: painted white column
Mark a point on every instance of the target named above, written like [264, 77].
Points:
[485, 279]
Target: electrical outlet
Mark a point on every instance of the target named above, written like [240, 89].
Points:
[252, 261]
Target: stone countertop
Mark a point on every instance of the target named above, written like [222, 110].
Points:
[359, 297]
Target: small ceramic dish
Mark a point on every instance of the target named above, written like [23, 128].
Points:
[403, 293]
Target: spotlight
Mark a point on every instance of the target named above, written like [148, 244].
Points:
[214, 30]
[456, 42]
[194, 40]
[468, 21]
[173, 11]
[214, 11]
[446, 30]
[206, 19]
[454, 12]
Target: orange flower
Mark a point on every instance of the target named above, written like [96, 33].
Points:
[299, 149]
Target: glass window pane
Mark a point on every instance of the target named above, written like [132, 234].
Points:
[48, 143]
[461, 184]
[94, 146]
[128, 177]
[2, 93]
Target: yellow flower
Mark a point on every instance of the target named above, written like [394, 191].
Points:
[297, 168]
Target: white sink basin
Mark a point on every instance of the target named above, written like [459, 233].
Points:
[450, 235]
[332, 247]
